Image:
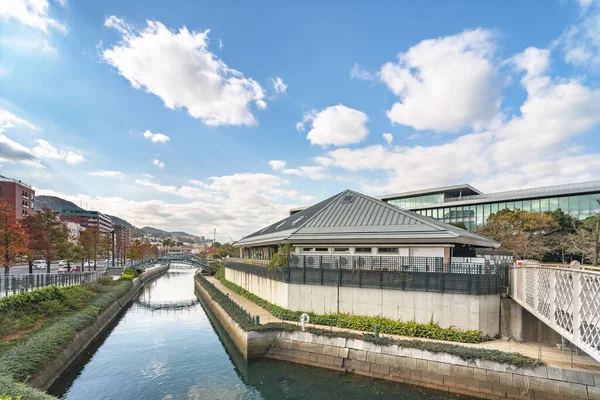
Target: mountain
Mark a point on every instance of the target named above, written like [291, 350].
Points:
[57, 204]
[54, 203]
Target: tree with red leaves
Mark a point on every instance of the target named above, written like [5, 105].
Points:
[38, 239]
[13, 239]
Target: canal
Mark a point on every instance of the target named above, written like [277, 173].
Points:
[164, 346]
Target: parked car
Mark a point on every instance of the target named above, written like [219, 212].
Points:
[39, 264]
[89, 264]
[62, 263]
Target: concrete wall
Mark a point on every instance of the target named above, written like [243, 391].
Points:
[46, 377]
[250, 344]
[480, 313]
[520, 324]
[442, 371]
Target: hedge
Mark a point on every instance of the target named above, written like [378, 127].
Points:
[33, 351]
[430, 330]
[10, 390]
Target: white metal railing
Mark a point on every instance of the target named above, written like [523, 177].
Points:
[567, 300]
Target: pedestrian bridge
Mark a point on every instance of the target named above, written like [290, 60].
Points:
[567, 300]
[189, 260]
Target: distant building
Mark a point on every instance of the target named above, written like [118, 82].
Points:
[74, 230]
[88, 219]
[122, 238]
[463, 203]
[18, 194]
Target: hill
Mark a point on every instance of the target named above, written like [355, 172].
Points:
[54, 203]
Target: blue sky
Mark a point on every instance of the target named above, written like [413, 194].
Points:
[202, 115]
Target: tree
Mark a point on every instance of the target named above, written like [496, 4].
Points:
[136, 250]
[216, 245]
[226, 250]
[460, 225]
[557, 240]
[58, 236]
[280, 259]
[90, 241]
[525, 234]
[37, 239]
[13, 238]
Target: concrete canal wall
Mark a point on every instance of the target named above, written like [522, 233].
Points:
[468, 312]
[46, 377]
[484, 379]
[251, 344]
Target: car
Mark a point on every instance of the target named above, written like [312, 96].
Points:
[62, 263]
[66, 269]
[89, 264]
[39, 264]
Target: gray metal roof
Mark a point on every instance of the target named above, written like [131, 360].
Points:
[352, 217]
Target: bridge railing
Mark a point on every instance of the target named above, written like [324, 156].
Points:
[567, 300]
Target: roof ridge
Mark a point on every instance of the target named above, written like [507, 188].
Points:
[331, 201]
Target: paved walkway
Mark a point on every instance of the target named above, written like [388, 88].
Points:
[549, 354]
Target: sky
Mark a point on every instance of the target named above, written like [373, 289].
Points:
[198, 115]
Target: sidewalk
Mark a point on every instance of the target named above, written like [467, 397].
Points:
[551, 355]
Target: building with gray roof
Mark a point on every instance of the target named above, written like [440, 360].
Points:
[353, 223]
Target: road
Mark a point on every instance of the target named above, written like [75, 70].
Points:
[24, 268]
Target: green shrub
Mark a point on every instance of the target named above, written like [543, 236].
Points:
[126, 277]
[430, 330]
[10, 390]
[106, 281]
[25, 299]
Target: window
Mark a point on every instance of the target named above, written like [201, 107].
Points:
[526, 205]
[341, 249]
[563, 203]
[321, 249]
[387, 250]
[362, 250]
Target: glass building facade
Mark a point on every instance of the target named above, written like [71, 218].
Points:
[578, 200]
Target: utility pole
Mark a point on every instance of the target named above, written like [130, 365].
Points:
[113, 248]
[215, 235]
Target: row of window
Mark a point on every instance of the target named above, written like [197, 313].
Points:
[474, 216]
[418, 200]
[347, 250]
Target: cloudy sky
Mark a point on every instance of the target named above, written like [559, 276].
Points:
[201, 115]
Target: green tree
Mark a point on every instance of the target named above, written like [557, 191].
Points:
[460, 225]
[226, 250]
[525, 234]
[58, 236]
[280, 259]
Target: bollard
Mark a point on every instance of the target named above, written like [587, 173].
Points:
[376, 330]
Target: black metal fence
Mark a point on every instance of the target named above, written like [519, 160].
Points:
[17, 283]
[426, 274]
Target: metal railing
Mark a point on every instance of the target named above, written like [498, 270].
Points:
[427, 274]
[567, 300]
[17, 283]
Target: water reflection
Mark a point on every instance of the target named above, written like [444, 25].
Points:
[157, 352]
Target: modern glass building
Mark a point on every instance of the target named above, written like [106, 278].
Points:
[464, 203]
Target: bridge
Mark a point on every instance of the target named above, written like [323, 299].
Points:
[190, 260]
[565, 299]
[167, 305]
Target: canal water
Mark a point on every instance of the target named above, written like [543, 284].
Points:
[165, 346]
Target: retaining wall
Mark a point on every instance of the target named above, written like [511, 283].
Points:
[251, 344]
[484, 379]
[476, 312]
[46, 377]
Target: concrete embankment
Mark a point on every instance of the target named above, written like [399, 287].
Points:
[44, 378]
[442, 371]
[251, 344]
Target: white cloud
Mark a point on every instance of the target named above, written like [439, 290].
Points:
[156, 137]
[336, 125]
[178, 67]
[314, 172]
[279, 86]
[107, 174]
[10, 120]
[277, 164]
[535, 147]
[445, 84]
[358, 73]
[32, 13]
[13, 152]
[581, 41]
[388, 137]
[45, 150]
[158, 163]
[235, 205]
[147, 175]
